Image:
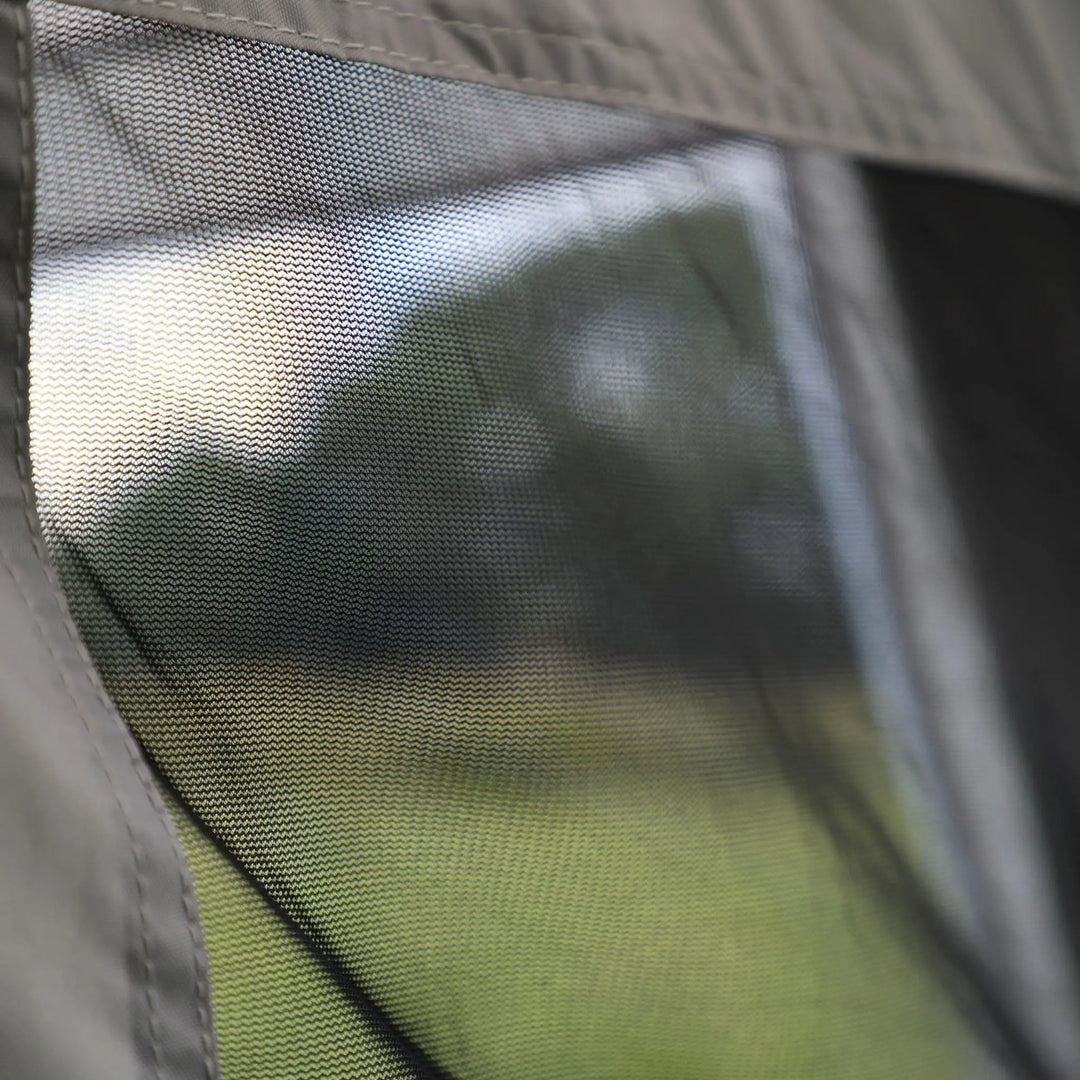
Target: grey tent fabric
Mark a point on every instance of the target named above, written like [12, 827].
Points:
[945, 624]
[987, 88]
[989, 280]
[102, 969]
[158, 126]
[98, 900]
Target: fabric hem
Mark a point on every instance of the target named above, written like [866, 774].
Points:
[603, 67]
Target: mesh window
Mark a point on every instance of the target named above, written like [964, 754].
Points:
[427, 482]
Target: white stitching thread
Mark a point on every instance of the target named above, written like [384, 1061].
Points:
[974, 153]
[914, 108]
[665, 56]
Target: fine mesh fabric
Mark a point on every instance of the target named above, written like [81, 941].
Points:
[427, 481]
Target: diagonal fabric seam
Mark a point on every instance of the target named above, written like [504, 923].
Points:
[22, 442]
[289, 910]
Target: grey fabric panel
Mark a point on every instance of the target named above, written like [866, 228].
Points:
[989, 88]
[989, 280]
[102, 970]
[159, 165]
[1019, 923]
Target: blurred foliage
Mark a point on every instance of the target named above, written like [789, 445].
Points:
[594, 447]
[580, 880]
[468, 676]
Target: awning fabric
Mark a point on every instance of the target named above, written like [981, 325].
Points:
[102, 958]
[102, 967]
[987, 88]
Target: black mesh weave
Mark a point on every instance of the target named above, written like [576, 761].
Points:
[426, 484]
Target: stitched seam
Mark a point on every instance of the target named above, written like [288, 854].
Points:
[22, 457]
[202, 975]
[608, 92]
[191, 916]
[378, 50]
[666, 56]
[23, 464]
[1049, 137]
[22, 440]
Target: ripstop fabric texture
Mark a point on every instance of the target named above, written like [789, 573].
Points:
[428, 482]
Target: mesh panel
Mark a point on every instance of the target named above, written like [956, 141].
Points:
[426, 484]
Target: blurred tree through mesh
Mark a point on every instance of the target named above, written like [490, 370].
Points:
[421, 526]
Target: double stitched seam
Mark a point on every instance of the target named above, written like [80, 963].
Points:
[663, 55]
[191, 916]
[22, 456]
[914, 109]
[22, 441]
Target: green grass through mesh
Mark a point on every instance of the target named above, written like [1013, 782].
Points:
[610, 922]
